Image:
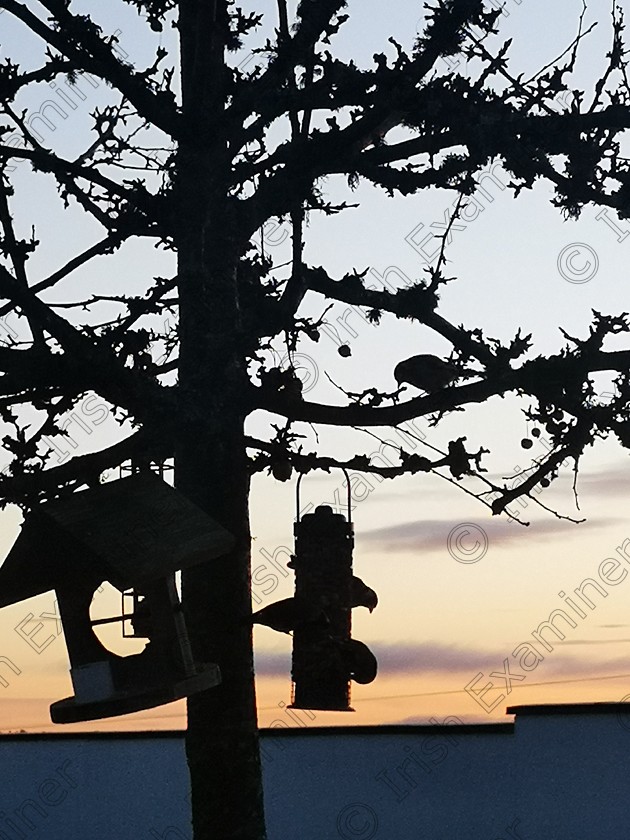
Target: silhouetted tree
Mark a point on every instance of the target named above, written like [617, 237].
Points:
[196, 153]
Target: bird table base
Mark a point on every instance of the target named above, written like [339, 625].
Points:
[70, 710]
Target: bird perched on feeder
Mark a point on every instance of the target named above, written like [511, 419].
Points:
[426, 372]
[284, 616]
[358, 661]
[361, 595]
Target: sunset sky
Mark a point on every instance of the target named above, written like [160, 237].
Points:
[446, 620]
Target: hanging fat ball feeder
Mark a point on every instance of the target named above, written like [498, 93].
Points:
[324, 652]
[135, 533]
[426, 372]
[323, 571]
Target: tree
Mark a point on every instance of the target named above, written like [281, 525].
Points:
[196, 153]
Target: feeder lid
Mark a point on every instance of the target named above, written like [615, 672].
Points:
[128, 532]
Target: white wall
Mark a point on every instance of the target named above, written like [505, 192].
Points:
[551, 776]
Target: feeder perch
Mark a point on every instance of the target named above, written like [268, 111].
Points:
[134, 533]
[323, 575]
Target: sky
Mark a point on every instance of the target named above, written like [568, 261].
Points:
[462, 594]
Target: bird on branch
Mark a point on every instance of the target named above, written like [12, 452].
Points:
[290, 613]
[361, 595]
[429, 373]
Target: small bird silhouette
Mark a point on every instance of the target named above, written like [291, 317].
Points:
[427, 372]
[358, 660]
[361, 595]
[284, 616]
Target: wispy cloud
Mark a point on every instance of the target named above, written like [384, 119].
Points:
[399, 659]
[274, 664]
[428, 534]
[595, 641]
[613, 626]
[411, 659]
[611, 481]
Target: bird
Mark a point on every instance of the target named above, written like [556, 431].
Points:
[427, 372]
[361, 595]
[358, 661]
[288, 614]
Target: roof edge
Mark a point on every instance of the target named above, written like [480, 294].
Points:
[603, 708]
[275, 732]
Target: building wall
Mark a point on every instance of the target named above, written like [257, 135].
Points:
[551, 776]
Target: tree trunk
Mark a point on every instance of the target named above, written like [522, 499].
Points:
[211, 464]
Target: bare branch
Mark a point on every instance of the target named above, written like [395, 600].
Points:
[83, 45]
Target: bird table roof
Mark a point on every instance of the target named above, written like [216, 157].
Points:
[128, 532]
